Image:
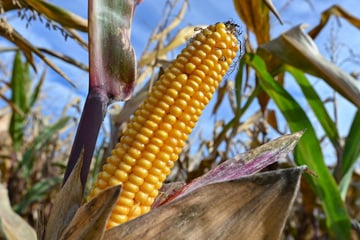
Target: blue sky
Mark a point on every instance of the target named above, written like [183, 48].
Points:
[150, 12]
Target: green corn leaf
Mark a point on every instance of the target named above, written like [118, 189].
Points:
[316, 105]
[350, 155]
[35, 93]
[45, 135]
[37, 193]
[20, 84]
[308, 150]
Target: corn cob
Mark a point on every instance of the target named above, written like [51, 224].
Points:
[157, 133]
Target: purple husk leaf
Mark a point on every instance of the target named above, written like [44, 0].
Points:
[244, 164]
[111, 76]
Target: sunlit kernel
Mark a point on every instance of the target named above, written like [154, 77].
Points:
[189, 67]
[109, 167]
[176, 111]
[158, 164]
[133, 178]
[120, 210]
[125, 201]
[148, 155]
[121, 175]
[132, 187]
[152, 148]
[147, 187]
[163, 132]
[141, 197]
[151, 179]
[146, 164]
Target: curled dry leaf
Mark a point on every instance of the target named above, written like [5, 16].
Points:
[253, 207]
[296, 48]
[90, 220]
[66, 204]
[244, 164]
[12, 226]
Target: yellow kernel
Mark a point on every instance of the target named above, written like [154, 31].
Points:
[170, 75]
[206, 48]
[167, 149]
[170, 119]
[129, 160]
[109, 168]
[216, 36]
[178, 64]
[189, 68]
[148, 155]
[186, 54]
[181, 104]
[193, 83]
[131, 187]
[162, 178]
[147, 187]
[152, 179]
[184, 96]
[113, 182]
[124, 166]
[120, 210]
[200, 53]
[104, 175]
[126, 139]
[140, 171]
[179, 125]
[163, 129]
[158, 111]
[157, 141]
[180, 80]
[146, 209]
[141, 197]
[176, 111]
[221, 45]
[170, 164]
[127, 194]
[150, 125]
[158, 164]
[156, 93]
[168, 100]
[182, 59]
[172, 93]
[135, 211]
[101, 183]
[121, 175]
[172, 141]
[210, 41]
[154, 193]
[175, 133]
[135, 153]
[141, 138]
[156, 172]
[188, 90]
[115, 220]
[204, 68]
[163, 156]
[155, 118]
[144, 163]
[175, 70]
[163, 105]
[136, 179]
[152, 148]
[209, 63]
[196, 60]
[198, 75]
[191, 48]
[185, 117]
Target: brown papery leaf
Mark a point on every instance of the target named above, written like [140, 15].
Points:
[90, 220]
[66, 204]
[12, 226]
[255, 15]
[333, 11]
[254, 207]
[296, 48]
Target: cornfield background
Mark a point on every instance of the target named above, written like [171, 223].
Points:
[281, 84]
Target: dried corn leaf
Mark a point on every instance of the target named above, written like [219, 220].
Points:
[254, 207]
[244, 164]
[28, 49]
[334, 11]
[90, 220]
[66, 204]
[12, 226]
[255, 14]
[296, 48]
[181, 37]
